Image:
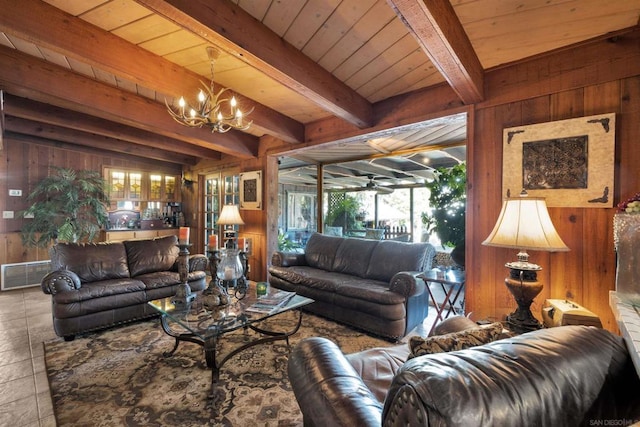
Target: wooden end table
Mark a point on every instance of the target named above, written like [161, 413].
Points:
[451, 283]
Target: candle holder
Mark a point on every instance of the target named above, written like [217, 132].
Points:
[215, 295]
[183, 294]
[228, 271]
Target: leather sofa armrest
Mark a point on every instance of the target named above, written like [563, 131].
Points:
[288, 259]
[60, 281]
[407, 283]
[198, 262]
[328, 389]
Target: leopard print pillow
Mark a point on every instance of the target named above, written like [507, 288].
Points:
[455, 340]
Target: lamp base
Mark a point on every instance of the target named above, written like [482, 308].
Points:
[524, 292]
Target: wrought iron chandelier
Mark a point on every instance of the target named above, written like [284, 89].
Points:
[221, 114]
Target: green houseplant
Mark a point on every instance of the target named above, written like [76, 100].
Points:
[448, 200]
[68, 206]
[344, 213]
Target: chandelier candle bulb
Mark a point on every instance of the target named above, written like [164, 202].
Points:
[183, 235]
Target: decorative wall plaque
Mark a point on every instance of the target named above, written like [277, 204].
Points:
[251, 190]
[569, 162]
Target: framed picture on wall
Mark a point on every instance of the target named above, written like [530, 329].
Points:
[251, 190]
[568, 162]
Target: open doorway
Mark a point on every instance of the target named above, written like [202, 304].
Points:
[384, 174]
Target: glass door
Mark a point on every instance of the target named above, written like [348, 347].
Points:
[211, 208]
[219, 190]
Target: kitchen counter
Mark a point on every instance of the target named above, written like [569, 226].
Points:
[121, 234]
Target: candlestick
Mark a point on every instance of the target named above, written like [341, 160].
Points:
[183, 294]
[183, 236]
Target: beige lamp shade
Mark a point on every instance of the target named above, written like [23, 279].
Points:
[524, 223]
[230, 215]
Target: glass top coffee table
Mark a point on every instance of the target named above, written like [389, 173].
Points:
[197, 323]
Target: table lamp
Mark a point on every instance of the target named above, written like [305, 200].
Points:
[230, 216]
[524, 223]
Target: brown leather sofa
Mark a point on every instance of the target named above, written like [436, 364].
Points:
[564, 376]
[98, 285]
[369, 284]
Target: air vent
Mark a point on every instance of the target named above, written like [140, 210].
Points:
[23, 274]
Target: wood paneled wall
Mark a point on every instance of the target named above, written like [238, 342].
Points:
[586, 274]
[25, 161]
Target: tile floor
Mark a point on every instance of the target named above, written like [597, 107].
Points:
[25, 323]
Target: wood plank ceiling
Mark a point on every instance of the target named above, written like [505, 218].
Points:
[98, 72]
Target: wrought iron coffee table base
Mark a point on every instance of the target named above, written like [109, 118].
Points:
[209, 343]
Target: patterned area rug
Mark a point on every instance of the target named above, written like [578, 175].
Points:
[119, 377]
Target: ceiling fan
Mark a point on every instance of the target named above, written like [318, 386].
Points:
[373, 186]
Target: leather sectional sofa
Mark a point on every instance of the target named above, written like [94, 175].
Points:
[98, 285]
[369, 284]
[564, 376]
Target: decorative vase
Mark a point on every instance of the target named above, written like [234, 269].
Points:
[626, 237]
[231, 271]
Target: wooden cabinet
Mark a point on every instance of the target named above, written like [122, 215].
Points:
[142, 186]
[125, 185]
[120, 236]
[162, 187]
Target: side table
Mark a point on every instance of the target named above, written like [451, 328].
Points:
[451, 283]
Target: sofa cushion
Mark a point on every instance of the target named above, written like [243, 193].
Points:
[455, 341]
[321, 251]
[390, 257]
[377, 367]
[91, 261]
[148, 256]
[353, 255]
[116, 288]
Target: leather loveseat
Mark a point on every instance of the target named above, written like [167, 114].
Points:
[564, 376]
[97, 285]
[369, 284]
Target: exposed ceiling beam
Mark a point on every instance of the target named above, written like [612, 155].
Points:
[236, 32]
[44, 113]
[389, 164]
[439, 32]
[364, 166]
[91, 151]
[48, 26]
[57, 133]
[58, 86]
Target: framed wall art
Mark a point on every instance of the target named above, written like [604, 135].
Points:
[568, 162]
[251, 190]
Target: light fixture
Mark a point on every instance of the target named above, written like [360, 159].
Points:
[230, 216]
[219, 113]
[524, 223]
[373, 186]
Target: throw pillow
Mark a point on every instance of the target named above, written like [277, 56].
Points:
[455, 340]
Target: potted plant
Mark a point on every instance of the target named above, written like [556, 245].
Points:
[448, 200]
[68, 206]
